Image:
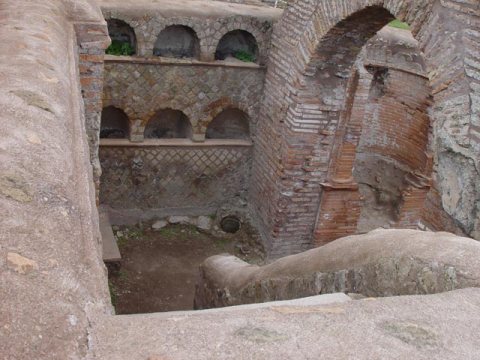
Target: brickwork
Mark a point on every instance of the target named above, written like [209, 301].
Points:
[305, 94]
[200, 91]
[209, 30]
[92, 40]
[175, 177]
[394, 156]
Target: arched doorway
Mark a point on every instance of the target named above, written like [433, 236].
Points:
[301, 132]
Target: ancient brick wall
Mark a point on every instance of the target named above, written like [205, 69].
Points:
[393, 156]
[305, 108]
[209, 29]
[201, 91]
[175, 178]
[192, 174]
[92, 40]
[195, 174]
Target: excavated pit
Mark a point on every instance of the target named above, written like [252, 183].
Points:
[159, 269]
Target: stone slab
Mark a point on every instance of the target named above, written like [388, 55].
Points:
[111, 252]
[443, 326]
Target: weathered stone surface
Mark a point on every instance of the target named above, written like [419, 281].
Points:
[204, 223]
[20, 264]
[380, 263]
[48, 204]
[16, 188]
[160, 224]
[178, 220]
[209, 21]
[306, 109]
[170, 177]
[48, 216]
[443, 326]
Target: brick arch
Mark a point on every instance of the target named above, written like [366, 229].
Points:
[212, 110]
[305, 101]
[251, 26]
[188, 25]
[186, 123]
[114, 123]
[139, 39]
[131, 114]
[156, 26]
[147, 115]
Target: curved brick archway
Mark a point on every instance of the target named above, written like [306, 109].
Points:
[305, 99]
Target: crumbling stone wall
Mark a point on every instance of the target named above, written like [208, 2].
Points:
[391, 103]
[301, 157]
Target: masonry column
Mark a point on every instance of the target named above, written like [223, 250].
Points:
[92, 40]
[340, 203]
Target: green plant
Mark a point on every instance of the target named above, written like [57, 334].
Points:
[122, 241]
[221, 243]
[244, 56]
[169, 231]
[113, 293]
[399, 25]
[122, 275]
[120, 48]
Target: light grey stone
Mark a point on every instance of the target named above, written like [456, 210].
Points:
[160, 224]
[179, 220]
[204, 223]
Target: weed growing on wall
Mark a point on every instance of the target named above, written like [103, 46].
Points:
[120, 48]
[113, 293]
[399, 25]
[244, 56]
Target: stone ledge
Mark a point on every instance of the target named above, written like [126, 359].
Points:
[418, 327]
[174, 143]
[179, 62]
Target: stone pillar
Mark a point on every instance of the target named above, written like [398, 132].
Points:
[92, 40]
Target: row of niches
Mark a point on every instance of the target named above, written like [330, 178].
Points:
[179, 42]
[231, 123]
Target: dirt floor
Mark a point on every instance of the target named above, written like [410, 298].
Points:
[159, 268]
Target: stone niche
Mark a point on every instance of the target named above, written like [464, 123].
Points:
[229, 124]
[168, 124]
[177, 41]
[114, 124]
[120, 31]
[235, 43]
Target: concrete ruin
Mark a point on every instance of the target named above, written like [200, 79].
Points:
[311, 124]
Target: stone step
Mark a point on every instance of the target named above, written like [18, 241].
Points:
[111, 252]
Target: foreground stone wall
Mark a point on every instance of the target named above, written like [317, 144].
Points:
[52, 278]
[384, 263]
[307, 104]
